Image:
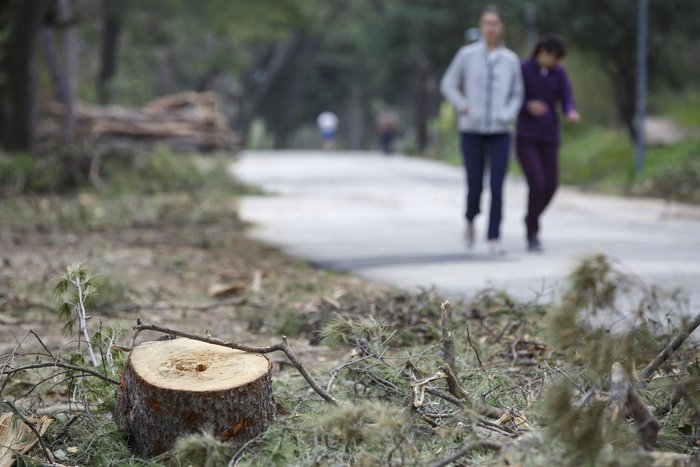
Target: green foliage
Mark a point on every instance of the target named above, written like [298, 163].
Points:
[581, 430]
[681, 107]
[603, 159]
[596, 158]
[674, 179]
[342, 329]
[158, 172]
[21, 173]
[362, 423]
[605, 316]
[202, 449]
[135, 188]
[74, 290]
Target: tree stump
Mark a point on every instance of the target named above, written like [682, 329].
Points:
[174, 387]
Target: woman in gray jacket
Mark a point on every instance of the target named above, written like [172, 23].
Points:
[484, 84]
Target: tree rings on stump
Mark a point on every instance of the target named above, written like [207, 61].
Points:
[175, 387]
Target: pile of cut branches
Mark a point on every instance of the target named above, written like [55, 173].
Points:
[607, 376]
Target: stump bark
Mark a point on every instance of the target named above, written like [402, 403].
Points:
[181, 386]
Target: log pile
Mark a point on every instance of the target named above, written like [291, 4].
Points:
[182, 121]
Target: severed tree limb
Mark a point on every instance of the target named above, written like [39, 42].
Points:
[619, 389]
[670, 349]
[421, 387]
[466, 449]
[624, 400]
[448, 349]
[282, 347]
[647, 424]
[479, 406]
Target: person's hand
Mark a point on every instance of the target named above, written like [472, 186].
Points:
[536, 108]
[573, 117]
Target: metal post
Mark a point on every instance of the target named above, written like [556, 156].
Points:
[642, 33]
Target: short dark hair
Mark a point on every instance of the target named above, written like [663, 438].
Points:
[550, 43]
[494, 10]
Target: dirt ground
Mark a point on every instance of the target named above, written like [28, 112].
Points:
[166, 276]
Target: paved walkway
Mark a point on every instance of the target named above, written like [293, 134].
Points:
[399, 220]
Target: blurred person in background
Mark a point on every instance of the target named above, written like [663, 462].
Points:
[537, 134]
[484, 84]
[328, 125]
[386, 124]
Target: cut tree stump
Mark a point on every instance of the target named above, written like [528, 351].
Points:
[174, 387]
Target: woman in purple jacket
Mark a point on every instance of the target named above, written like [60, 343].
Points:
[537, 133]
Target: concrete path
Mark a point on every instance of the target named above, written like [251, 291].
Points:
[399, 220]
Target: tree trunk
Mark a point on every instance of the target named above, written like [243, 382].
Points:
[22, 74]
[111, 31]
[63, 75]
[355, 121]
[280, 55]
[295, 95]
[176, 387]
[70, 65]
[421, 102]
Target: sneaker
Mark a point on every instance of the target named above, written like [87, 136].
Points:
[534, 245]
[469, 234]
[495, 248]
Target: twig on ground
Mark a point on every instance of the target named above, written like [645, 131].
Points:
[476, 352]
[47, 453]
[670, 349]
[239, 454]
[11, 371]
[466, 449]
[336, 371]
[82, 316]
[64, 430]
[282, 347]
[449, 349]
[479, 406]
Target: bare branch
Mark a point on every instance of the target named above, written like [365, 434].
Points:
[466, 449]
[11, 371]
[670, 349]
[624, 400]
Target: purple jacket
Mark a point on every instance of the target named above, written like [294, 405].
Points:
[549, 87]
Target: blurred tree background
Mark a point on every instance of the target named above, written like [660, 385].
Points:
[276, 64]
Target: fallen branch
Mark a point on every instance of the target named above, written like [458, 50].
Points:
[466, 449]
[624, 400]
[11, 371]
[670, 349]
[282, 347]
[480, 407]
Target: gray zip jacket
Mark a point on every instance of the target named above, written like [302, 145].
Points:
[490, 90]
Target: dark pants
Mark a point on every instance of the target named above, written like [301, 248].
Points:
[476, 148]
[540, 164]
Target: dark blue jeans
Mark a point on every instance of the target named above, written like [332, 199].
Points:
[476, 149]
